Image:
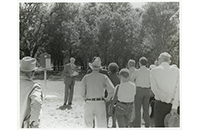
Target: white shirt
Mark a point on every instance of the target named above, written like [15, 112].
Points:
[141, 77]
[126, 92]
[132, 70]
[94, 84]
[165, 84]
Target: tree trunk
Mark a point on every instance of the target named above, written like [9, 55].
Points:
[34, 51]
[26, 52]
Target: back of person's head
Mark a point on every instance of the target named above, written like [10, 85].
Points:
[131, 63]
[72, 59]
[164, 57]
[113, 67]
[143, 61]
[156, 63]
[124, 73]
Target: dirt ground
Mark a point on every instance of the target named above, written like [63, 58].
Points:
[53, 114]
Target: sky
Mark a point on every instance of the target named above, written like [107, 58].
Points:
[138, 4]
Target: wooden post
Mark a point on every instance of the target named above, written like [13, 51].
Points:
[45, 82]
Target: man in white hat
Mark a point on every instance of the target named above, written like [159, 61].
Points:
[165, 86]
[93, 86]
[30, 95]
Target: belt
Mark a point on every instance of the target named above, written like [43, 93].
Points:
[142, 87]
[163, 102]
[127, 103]
[95, 99]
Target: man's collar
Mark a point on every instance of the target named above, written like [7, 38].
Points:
[164, 63]
[143, 67]
[95, 71]
[132, 67]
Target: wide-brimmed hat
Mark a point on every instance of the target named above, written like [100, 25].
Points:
[171, 120]
[96, 64]
[28, 64]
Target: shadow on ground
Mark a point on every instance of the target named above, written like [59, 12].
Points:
[64, 107]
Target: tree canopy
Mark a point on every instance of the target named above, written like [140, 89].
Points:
[114, 31]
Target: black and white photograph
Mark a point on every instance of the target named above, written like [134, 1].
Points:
[99, 64]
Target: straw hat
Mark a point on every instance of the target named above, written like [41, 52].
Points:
[96, 64]
[28, 64]
[171, 120]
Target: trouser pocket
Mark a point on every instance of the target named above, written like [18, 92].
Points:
[121, 109]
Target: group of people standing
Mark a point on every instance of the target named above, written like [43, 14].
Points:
[126, 91]
[131, 89]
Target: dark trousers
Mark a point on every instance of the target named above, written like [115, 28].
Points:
[69, 92]
[113, 116]
[142, 99]
[151, 102]
[161, 109]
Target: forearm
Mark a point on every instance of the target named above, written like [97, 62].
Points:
[175, 102]
[133, 78]
[35, 112]
[83, 89]
[66, 73]
[110, 90]
[36, 105]
[110, 95]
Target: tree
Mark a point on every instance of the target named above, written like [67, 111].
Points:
[32, 37]
[118, 32]
[88, 30]
[62, 32]
[114, 31]
[158, 27]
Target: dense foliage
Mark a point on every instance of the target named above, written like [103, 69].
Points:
[114, 31]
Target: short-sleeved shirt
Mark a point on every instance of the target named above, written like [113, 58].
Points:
[94, 84]
[141, 77]
[126, 92]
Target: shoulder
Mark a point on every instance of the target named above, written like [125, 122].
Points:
[36, 85]
[103, 71]
[147, 69]
[87, 75]
[35, 88]
[136, 71]
[158, 68]
[65, 65]
[84, 77]
[131, 83]
[174, 69]
[89, 71]
[104, 76]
